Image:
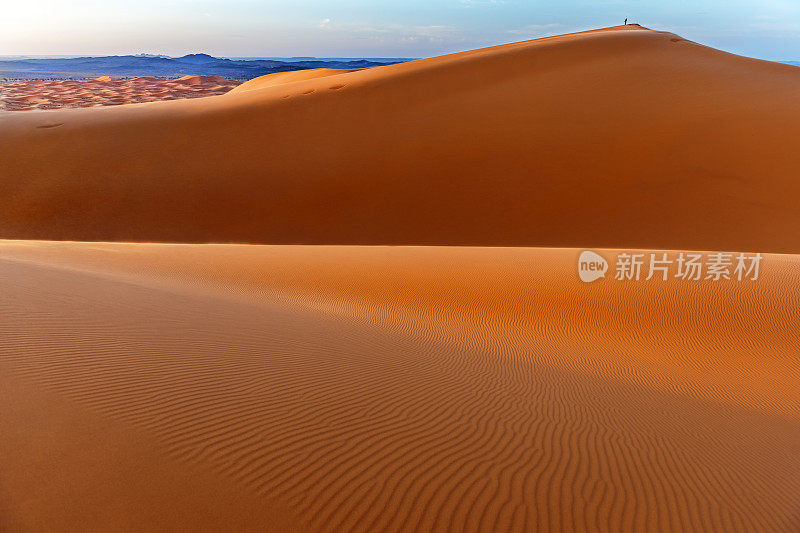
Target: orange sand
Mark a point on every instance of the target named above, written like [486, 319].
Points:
[620, 137]
[281, 78]
[269, 387]
[371, 388]
[104, 91]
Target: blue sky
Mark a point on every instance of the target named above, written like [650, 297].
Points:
[768, 29]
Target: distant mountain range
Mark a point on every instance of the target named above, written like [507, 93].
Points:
[161, 66]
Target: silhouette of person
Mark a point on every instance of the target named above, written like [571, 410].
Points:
[626, 21]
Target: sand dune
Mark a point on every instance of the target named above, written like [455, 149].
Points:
[356, 387]
[281, 78]
[372, 388]
[105, 91]
[620, 137]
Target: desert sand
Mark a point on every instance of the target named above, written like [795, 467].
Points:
[396, 388]
[103, 91]
[624, 137]
[281, 78]
[352, 301]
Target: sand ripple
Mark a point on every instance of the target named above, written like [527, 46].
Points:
[385, 395]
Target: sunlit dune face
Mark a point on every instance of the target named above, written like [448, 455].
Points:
[102, 91]
[381, 387]
[281, 78]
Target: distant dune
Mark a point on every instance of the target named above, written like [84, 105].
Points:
[105, 90]
[618, 137]
[434, 363]
[280, 78]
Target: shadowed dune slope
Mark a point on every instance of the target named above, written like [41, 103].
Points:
[622, 137]
[393, 389]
